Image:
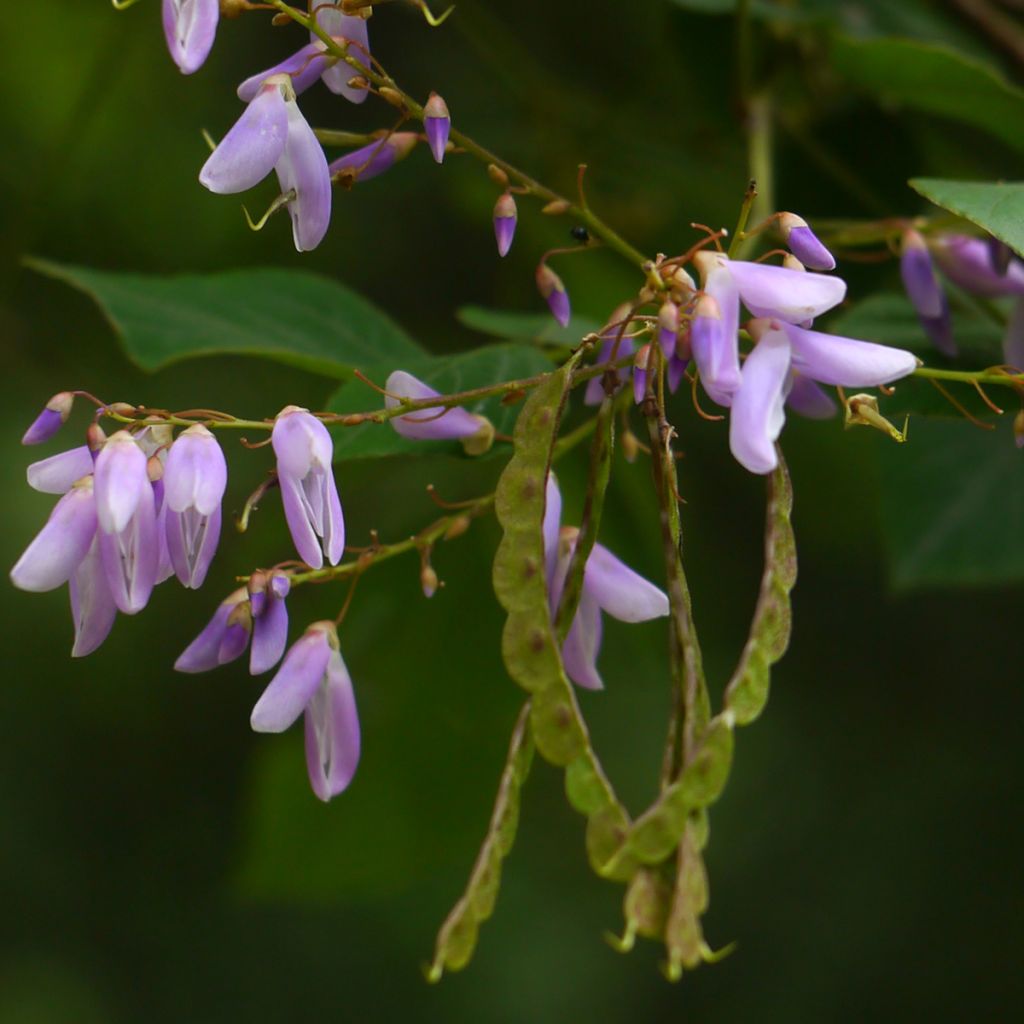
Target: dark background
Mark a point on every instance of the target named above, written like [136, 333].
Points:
[159, 862]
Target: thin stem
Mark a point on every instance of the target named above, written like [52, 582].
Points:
[991, 376]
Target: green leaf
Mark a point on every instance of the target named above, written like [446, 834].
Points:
[934, 79]
[953, 506]
[290, 316]
[500, 323]
[491, 364]
[997, 207]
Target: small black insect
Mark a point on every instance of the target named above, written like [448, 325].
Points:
[581, 234]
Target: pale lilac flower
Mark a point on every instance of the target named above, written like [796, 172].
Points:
[926, 294]
[273, 135]
[615, 330]
[56, 474]
[224, 638]
[376, 158]
[714, 339]
[758, 414]
[352, 29]
[126, 511]
[305, 68]
[967, 262]
[54, 415]
[190, 27]
[194, 481]
[505, 217]
[438, 123]
[808, 399]
[436, 424]
[59, 548]
[313, 679]
[92, 605]
[804, 243]
[312, 508]
[608, 585]
[267, 593]
[550, 286]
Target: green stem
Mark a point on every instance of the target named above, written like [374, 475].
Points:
[1013, 380]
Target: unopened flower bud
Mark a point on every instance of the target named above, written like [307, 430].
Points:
[804, 243]
[668, 327]
[438, 123]
[790, 262]
[925, 292]
[234, 8]
[51, 419]
[392, 96]
[681, 284]
[95, 437]
[550, 286]
[1018, 429]
[428, 580]
[497, 175]
[641, 364]
[369, 161]
[458, 526]
[557, 207]
[505, 216]
[481, 442]
[154, 468]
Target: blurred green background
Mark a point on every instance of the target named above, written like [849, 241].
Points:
[159, 862]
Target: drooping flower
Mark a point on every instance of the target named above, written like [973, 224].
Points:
[54, 415]
[368, 161]
[967, 262]
[758, 414]
[437, 424]
[609, 585]
[926, 294]
[267, 593]
[305, 68]
[273, 135]
[194, 480]
[312, 508]
[437, 123]
[313, 679]
[505, 217]
[92, 605]
[351, 28]
[224, 638]
[804, 243]
[550, 286]
[56, 474]
[190, 27]
[59, 548]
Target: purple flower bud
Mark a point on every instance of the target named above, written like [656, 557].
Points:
[675, 372]
[641, 364]
[668, 327]
[505, 217]
[757, 413]
[925, 292]
[302, 169]
[967, 262]
[804, 243]
[550, 286]
[437, 424]
[194, 481]
[615, 330]
[255, 143]
[304, 67]
[353, 30]
[190, 27]
[311, 505]
[92, 605]
[218, 642]
[313, 679]
[56, 474]
[267, 593]
[714, 345]
[438, 123]
[59, 548]
[376, 158]
[51, 419]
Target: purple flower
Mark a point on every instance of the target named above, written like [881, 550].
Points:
[190, 26]
[758, 414]
[126, 511]
[967, 262]
[809, 399]
[608, 585]
[668, 327]
[313, 679]
[59, 548]
[550, 286]
[267, 593]
[224, 638]
[438, 123]
[594, 393]
[92, 605]
[505, 217]
[194, 480]
[713, 339]
[352, 29]
[57, 474]
[641, 364]
[273, 135]
[50, 420]
[804, 243]
[305, 68]
[437, 424]
[925, 292]
[376, 158]
[312, 508]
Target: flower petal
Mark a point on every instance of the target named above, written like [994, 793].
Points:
[757, 408]
[61, 545]
[355, 30]
[332, 732]
[846, 362]
[582, 643]
[121, 479]
[190, 27]
[807, 398]
[619, 591]
[791, 295]
[302, 168]
[56, 474]
[426, 424]
[92, 605]
[304, 67]
[269, 635]
[293, 686]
